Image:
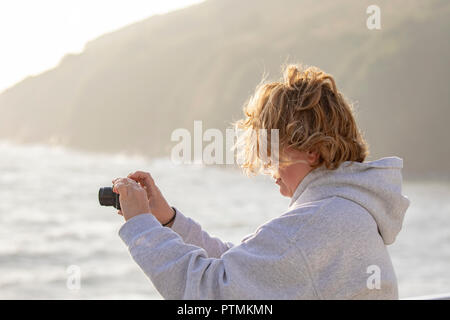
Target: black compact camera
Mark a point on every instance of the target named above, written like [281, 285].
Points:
[107, 197]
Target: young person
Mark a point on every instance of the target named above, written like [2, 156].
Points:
[329, 244]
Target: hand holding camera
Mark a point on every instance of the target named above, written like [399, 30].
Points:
[135, 186]
[132, 197]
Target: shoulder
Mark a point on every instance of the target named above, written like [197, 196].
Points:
[333, 217]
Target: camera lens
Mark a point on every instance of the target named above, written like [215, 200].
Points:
[107, 197]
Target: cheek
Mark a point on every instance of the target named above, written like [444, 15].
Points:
[284, 190]
[284, 175]
[288, 178]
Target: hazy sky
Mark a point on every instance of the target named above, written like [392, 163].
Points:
[35, 34]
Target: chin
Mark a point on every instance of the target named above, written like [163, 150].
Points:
[285, 194]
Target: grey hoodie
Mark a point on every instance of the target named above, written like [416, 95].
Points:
[329, 244]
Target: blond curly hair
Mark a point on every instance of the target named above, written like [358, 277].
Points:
[310, 115]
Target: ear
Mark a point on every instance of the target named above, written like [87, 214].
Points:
[312, 157]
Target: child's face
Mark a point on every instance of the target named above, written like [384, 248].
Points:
[289, 177]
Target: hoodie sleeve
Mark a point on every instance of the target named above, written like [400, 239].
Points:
[258, 268]
[191, 232]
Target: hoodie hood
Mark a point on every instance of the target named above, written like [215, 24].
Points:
[374, 185]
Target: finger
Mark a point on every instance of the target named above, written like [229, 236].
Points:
[122, 190]
[127, 179]
[141, 176]
[124, 180]
[114, 182]
[120, 213]
[128, 183]
[122, 185]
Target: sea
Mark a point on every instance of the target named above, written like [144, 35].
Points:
[57, 242]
